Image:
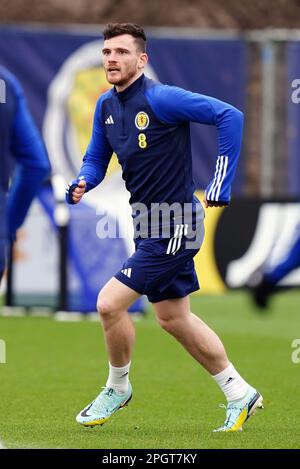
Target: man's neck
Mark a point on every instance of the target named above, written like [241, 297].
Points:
[121, 88]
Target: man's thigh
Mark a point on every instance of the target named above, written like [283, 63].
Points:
[118, 295]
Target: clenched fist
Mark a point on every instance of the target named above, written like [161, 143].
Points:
[75, 191]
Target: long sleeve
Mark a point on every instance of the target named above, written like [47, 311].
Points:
[98, 153]
[174, 105]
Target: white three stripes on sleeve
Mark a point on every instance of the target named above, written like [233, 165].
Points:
[220, 173]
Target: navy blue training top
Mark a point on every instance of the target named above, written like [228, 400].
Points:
[148, 126]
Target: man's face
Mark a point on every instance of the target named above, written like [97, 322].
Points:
[123, 62]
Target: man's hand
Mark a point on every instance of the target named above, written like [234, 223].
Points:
[75, 192]
[213, 203]
[78, 192]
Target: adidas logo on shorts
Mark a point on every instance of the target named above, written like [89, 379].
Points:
[127, 272]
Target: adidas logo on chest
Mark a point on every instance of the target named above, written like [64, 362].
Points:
[109, 120]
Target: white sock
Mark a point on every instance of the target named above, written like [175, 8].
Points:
[118, 378]
[231, 383]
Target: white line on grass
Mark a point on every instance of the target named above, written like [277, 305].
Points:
[2, 445]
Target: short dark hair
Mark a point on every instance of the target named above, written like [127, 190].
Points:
[134, 30]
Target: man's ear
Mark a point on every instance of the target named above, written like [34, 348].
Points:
[143, 60]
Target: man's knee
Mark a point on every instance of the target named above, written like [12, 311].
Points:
[115, 298]
[105, 307]
[168, 323]
[108, 306]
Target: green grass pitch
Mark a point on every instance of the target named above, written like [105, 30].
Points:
[54, 369]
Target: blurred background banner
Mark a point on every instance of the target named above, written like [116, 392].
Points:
[63, 76]
[41, 56]
[293, 117]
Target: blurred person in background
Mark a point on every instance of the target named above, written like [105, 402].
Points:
[23, 158]
[263, 283]
[147, 125]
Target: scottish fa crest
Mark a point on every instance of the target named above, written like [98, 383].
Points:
[141, 120]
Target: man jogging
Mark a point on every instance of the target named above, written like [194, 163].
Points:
[147, 125]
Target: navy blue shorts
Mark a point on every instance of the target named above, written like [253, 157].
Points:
[163, 268]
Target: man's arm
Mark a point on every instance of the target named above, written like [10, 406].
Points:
[95, 161]
[174, 105]
[32, 164]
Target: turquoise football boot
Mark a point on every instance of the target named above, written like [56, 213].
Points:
[103, 407]
[237, 412]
